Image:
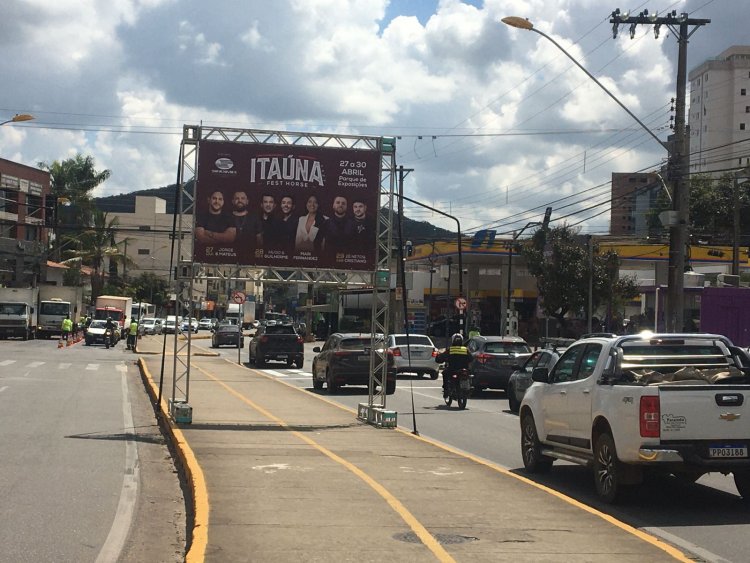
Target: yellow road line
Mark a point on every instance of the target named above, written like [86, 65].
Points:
[193, 474]
[426, 537]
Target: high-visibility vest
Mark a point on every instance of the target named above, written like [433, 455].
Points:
[67, 325]
[133, 328]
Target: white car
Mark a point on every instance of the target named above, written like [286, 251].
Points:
[416, 357]
[150, 326]
[206, 323]
[189, 325]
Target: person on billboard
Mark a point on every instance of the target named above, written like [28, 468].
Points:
[309, 226]
[214, 227]
[267, 219]
[338, 230]
[362, 238]
[246, 224]
[284, 228]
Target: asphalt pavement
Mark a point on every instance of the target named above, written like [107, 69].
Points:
[280, 473]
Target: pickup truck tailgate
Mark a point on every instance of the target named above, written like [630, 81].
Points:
[704, 412]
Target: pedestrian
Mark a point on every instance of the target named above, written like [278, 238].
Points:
[132, 334]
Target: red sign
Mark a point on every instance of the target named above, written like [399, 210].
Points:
[286, 206]
[238, 297]
[461, 303]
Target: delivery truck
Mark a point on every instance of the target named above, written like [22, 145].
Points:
[18, 312]
[55, 303]
[115, 307]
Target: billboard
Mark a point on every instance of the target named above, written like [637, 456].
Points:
[286, 206]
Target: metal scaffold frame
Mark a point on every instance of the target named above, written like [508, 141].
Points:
[188, 271]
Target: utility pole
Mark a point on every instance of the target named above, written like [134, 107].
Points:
[678, 163]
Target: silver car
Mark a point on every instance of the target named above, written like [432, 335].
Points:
[416, 357]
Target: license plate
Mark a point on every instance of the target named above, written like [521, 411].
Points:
[465, 384]
[727, 450]
[416, 354]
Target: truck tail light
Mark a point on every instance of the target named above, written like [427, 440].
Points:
[650, 416]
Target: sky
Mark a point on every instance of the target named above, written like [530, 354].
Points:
[493, 123]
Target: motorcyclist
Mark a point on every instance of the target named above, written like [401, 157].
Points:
[456, 358]
[109, 326]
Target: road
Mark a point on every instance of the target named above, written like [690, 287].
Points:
[85, 474]
[707, 518]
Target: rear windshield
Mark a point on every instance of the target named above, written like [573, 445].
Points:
[280, 329]
[229, 328]
[507, 348]
[356, 343]
[416, 339]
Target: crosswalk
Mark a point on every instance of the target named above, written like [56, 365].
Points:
[24, 364]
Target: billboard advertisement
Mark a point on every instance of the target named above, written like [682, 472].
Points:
[286, 206]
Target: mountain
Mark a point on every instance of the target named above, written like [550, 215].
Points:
[419, 232]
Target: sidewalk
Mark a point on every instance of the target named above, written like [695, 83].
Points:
[290, 476]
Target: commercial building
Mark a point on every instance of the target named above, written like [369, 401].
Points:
[719, 117]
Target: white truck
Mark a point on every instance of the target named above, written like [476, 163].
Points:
[115, 306]
[18, 312]
[55, 303]
[670, 403]
[247, 310]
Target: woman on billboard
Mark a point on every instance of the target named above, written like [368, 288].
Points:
[309, 227]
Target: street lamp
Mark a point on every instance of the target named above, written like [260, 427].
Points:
[677, 158]
[18, 117]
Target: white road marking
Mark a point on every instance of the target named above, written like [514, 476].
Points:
[63, 366]
[118, 533]
[35, 364]
[7, 362]
[3, 388]
[92, 367]
[122, 368]
[275, 373]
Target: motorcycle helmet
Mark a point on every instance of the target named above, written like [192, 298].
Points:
[457, 340]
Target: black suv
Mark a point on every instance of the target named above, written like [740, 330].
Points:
[345, 360]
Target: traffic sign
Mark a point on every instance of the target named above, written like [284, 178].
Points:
[238, 297]
[461, 303]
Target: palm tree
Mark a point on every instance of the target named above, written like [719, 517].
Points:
[96, 246]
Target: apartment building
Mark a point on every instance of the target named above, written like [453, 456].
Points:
[633, 195]
[719, 116]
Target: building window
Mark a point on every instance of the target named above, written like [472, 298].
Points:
[742, 126]
[144, 228]
[144, 251]
[747, 109]
[743, 91]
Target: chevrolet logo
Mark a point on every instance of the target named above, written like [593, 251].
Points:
[730, 416]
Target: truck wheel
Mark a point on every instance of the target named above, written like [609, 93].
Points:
[531, 448]
[608, 471]
[742, 482]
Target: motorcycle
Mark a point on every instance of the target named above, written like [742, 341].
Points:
[107, 338]
[458, 388]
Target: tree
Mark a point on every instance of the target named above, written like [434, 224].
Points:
[150, 288]
[73, 180]
[97, 245]
[559, 260]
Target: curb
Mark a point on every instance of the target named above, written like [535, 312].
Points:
[189, 469]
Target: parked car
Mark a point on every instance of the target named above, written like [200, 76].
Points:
[189, 325]
[344, 359]
[416, 357]
[95, 333]
[494, 358]
[520, 380]
[150, 326]
[227, 334]
[279, 342]
[206, 323]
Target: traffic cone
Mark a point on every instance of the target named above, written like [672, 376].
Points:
[60, 343]
[69, 342]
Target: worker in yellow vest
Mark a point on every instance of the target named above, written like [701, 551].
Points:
[67, 327]
[132, 334]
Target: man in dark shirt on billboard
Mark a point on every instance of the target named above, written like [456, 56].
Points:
[247, 224]
[338, 230]
[267, 219]
[362, 239]
[283, 228]
[213, 227]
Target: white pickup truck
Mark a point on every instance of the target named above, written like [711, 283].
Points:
[676, 403]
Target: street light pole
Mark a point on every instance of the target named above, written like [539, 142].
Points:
[678, 160]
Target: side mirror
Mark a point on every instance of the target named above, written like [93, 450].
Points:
[540, 374]
[316, 349]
